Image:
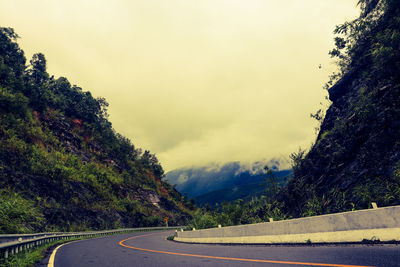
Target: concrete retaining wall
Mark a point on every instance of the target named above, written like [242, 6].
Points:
[354, 226]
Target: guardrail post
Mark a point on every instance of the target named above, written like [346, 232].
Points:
[6, 254]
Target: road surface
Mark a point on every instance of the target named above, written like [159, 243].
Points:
[152, 249]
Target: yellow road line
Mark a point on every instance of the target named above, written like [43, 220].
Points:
[234, 259]
[53, 255]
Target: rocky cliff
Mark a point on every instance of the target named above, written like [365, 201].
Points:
[356, 157]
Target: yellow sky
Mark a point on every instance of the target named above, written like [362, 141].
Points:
[194, 81]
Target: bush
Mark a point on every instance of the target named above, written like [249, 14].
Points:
[17, 214]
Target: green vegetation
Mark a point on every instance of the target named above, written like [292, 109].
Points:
[62, 165]
[18, 215]
[238, 212]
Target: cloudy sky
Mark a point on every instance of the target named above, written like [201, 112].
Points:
[194, 81]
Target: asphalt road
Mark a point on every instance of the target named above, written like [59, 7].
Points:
[152, 249]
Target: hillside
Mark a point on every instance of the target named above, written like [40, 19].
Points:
[245, 192]
[62, 165]
[356, 157]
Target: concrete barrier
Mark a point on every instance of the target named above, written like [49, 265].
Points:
[373, 224]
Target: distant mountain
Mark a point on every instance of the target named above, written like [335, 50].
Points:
[245, 192]
[228, 182]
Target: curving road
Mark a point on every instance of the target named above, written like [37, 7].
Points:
[152, 249]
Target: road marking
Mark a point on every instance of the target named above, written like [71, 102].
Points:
[121, 243]
[53, 255]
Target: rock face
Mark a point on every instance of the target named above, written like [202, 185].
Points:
[356, 157]
[359, 136]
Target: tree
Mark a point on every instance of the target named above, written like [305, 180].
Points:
[12, 60]
[38, 69]
[271, 183]
[150, 161]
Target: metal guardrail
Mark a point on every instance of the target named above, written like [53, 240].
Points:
[15, 243]
[15, 237]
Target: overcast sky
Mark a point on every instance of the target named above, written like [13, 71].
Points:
[194, 81]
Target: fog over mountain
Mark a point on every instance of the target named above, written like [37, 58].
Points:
[196, 181]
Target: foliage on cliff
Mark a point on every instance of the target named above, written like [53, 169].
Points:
[62, 165]
[356, 157]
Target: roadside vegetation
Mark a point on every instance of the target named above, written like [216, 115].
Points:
[62, 165]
